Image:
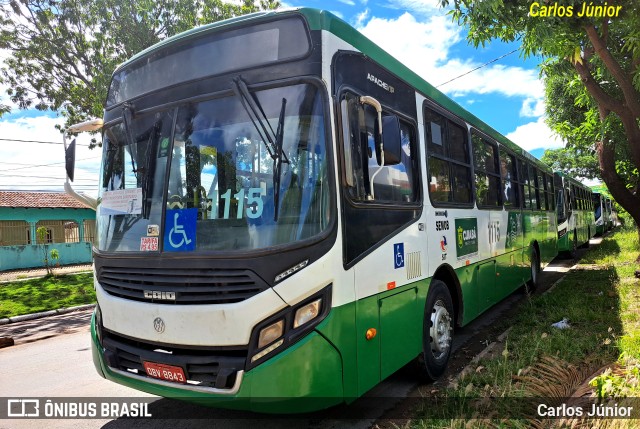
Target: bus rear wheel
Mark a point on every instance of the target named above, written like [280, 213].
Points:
[532, 284]
[438, 331]
[587, 244]
[573, 253]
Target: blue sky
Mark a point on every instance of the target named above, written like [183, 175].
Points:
[506, 94]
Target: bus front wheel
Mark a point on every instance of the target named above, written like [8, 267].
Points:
[438, 331]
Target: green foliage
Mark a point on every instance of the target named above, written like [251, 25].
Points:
[610, 385]
[574, 161]
[42, 235]
[63, 52]
[600, 298]
[55, 256]
[592, 79]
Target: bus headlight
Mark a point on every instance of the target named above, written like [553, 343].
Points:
[286, 327]
[306, 313]
[270, 334]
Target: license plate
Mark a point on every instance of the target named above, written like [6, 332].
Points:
[165, 372]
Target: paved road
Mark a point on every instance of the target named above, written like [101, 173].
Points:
[52, 358]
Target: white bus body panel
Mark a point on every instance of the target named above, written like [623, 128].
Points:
[193, 325]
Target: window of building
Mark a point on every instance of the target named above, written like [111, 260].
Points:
[58, 231]
[14, 233]
[89, 230]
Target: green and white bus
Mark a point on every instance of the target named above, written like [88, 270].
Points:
[576, 221]
[602, 213]
[286, 211]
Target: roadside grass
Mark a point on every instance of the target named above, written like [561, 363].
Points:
[543, 364]
[46, 293]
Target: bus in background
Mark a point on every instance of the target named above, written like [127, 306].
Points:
[602, 213]
[611, 214]
[287, 212]
[576, 221]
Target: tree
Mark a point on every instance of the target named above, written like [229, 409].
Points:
[601, 53]
[574, 115]
[43, 238]
[63, 52]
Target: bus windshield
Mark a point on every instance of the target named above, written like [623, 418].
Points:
[133, 169]
[230, 186]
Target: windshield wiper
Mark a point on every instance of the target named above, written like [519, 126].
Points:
[149, 167]
[272, 140]
[277, 161]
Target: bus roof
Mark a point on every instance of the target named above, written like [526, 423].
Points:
[323, 20]
[572, 179]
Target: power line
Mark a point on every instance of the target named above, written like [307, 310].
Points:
[80, 188]
[46, 177]
[39, 141]
[46, 165]
[478, 68]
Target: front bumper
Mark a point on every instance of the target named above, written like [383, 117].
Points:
[305, 377]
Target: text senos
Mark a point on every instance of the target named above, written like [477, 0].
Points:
[442, 225]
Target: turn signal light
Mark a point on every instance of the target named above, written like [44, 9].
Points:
[371, 333]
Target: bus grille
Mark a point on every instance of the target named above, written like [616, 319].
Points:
[202, 368]
[181, 286]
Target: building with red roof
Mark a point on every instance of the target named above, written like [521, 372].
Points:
[67, 225]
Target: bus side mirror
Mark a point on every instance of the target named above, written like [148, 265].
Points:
[70, 159]
[392, 140]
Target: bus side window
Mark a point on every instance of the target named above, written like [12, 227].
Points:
[550, 192]
[449, 164]
[509, 183]
[487, 174]
[524, 184]
[533, 183]
[396, 182]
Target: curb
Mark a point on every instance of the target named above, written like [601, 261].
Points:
[38, 276]
[42, 314]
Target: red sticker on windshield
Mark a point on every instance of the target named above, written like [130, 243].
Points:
[148, 244]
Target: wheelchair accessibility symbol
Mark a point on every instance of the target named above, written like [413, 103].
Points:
[180, 230]
[398, 255]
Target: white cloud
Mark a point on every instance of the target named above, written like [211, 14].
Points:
[39, 166]
[425, 46]
[417, 44]
[348, 2]
[532, 107]
[535, 135]
[422, 7]
[361, 18]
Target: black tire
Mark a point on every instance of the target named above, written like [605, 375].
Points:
[587, 244]
[438, 322]
[532, 284]
[573, 253]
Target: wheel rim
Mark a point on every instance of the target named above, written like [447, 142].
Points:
[534, 269]
[440, 330]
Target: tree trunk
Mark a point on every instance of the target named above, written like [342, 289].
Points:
[628, 200]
